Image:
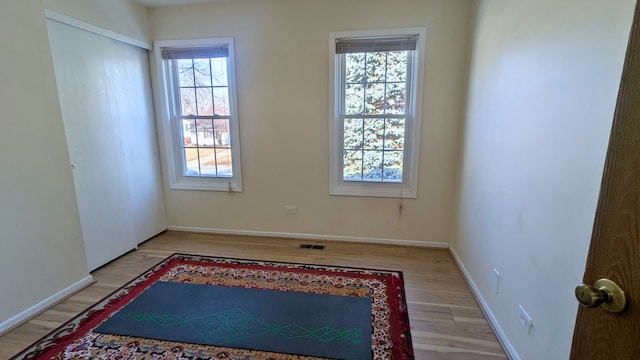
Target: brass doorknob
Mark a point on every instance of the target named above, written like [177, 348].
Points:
[604, 292]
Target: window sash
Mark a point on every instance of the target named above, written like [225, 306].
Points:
[204, 117]
[383, 150]
[407, 116]
[177, 120]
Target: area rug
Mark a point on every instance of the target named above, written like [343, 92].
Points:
[293, 307]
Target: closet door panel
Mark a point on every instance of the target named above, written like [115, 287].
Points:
[134, 108]
[85, 77]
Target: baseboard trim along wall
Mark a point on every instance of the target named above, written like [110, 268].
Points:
[286, 235]
[43, 305]
[484, 306]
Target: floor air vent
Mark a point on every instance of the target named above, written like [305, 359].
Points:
[311, 247]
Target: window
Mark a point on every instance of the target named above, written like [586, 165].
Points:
[376, 92]
[200, 121]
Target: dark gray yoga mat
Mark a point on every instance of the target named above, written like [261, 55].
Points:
[279, 321]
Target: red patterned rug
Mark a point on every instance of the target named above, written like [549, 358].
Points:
[76, 339]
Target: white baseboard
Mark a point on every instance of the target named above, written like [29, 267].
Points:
[500, 334]
[357, 239]
[45, 304]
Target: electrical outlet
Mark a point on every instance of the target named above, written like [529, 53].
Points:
[496, 280]
[525, 319]
[290, 209]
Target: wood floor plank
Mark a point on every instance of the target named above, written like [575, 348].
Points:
[7, 350]
[440, 353]
[446, 322]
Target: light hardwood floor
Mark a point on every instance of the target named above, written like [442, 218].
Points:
[446, 322]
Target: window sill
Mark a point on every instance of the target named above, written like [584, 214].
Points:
[375, 190]
[207, 184]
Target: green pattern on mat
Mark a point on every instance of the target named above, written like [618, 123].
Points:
[232, 325]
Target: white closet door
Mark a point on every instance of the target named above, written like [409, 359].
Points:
[130, 75]
[99, 82]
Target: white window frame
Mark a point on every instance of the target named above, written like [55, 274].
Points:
[170, 128]
[408, 187]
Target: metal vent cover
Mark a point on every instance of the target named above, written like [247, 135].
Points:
[311, 247]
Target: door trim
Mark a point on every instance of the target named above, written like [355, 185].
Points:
[68, 20]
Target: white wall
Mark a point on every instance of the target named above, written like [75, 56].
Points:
[543, 86]
[41, 247]
[283, 74]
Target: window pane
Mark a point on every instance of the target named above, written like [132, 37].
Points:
[393, 166]
[192, 166]
[394, 134]
[207, 162]
[202, 72]
[205, 132]
[395, 100]
[372, 165]
[373, 133]
[354, 68]
[375, 99]
[376, 66]
[222, 132]
[221, 101]
[185, 72]
[219, 72]
[205, 101]
[189, 133]
[353, 134]
[397, 66]
[223, 154]
[352, 169]
[188, 101]
[354, 99]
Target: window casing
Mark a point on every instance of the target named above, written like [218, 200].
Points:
[376, 102]
[199, 113]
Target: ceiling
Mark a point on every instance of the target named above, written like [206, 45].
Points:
[154, 3]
